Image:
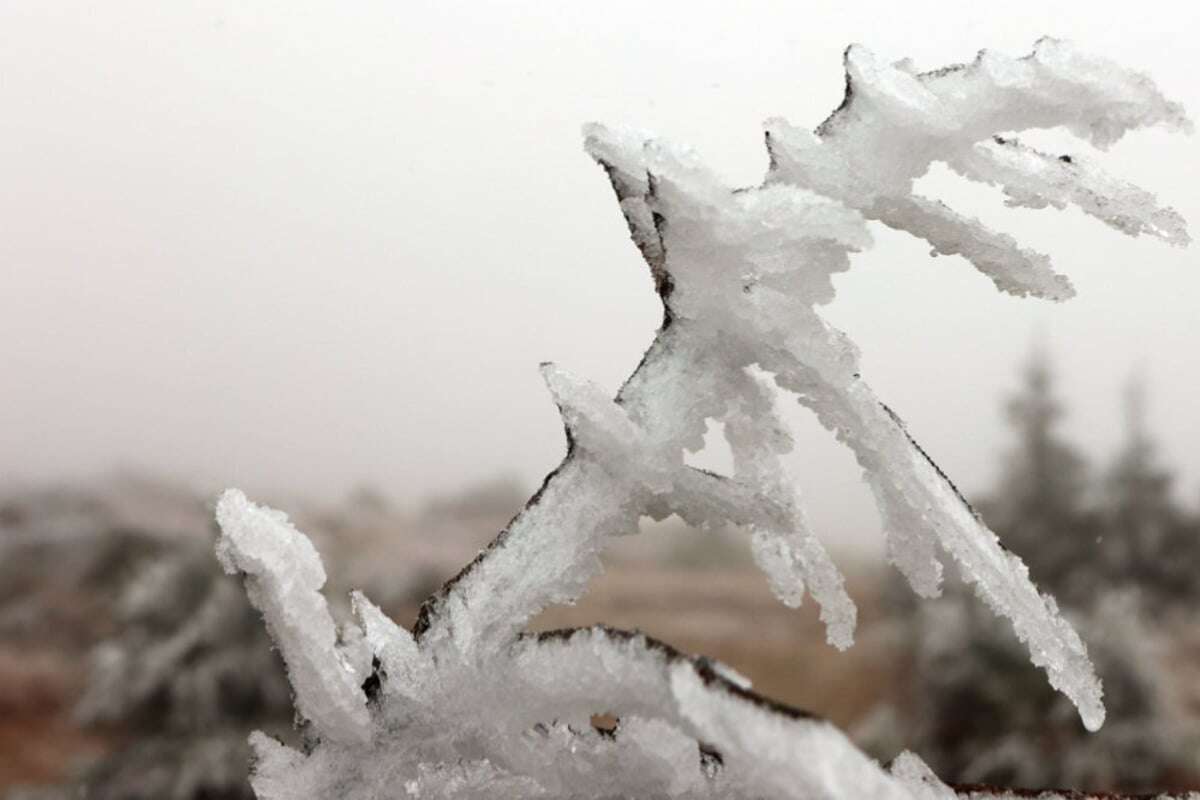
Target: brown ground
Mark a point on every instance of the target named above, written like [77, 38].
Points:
[731, 615]
[39, 739]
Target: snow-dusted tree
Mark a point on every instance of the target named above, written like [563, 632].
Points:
[1126, 532]
[1139, 489]
[1148, 537]
[1038, 506]
[467, 705]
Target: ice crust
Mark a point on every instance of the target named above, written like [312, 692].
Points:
[467, 705]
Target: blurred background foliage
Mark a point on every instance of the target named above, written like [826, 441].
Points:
[131, 667]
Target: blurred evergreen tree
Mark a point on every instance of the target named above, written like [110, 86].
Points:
[1148, 540]
[1038, 506]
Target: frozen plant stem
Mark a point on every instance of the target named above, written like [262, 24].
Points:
[741, 274]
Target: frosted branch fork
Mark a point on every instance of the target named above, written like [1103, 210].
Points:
[741, 273]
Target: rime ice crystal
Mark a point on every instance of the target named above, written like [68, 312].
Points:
[469, 706]
[284, 576]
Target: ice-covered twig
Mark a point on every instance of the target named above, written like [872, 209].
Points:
[1034, 179]
[284, 576]
[894, 123]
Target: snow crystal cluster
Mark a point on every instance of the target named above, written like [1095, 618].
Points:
[468, 705]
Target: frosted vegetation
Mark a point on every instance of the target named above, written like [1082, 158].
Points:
[468, 705]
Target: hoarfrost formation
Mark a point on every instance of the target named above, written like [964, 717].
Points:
[469, 706]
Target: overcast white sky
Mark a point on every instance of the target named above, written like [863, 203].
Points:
[306, 246]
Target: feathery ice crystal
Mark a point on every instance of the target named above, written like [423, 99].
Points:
[468, 705]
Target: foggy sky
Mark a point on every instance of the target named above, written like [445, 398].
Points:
[301, 247]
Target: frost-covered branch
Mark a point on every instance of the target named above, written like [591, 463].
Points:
[895, 122]
[470, 706]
